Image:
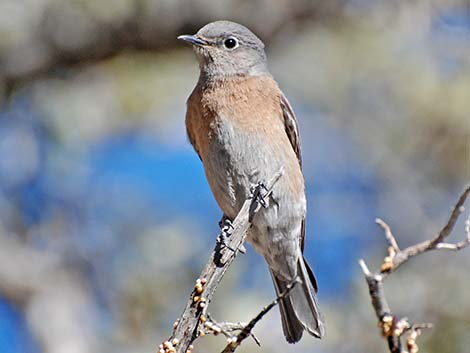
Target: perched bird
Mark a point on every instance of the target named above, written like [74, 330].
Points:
[244, 130]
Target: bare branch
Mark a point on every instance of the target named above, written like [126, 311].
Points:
[226, 328]
[395, 260]
[237, 341]
[388, 234]
[393, 328]
[187, 329]
[364, 267]
[458, 209]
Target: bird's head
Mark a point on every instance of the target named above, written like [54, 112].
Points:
[225, 48]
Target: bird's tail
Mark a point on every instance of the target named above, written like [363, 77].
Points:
[299, 310]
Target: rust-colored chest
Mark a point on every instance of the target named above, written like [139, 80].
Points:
[250, 104]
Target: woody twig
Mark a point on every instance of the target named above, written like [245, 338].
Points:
[394, 329]
[193, 321]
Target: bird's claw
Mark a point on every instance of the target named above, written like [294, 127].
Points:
[226, 229]
[261, 193]
[222, 242]
[226, 226]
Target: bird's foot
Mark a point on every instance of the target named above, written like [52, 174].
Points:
[226, 229]
[226, 226]
[261, 193]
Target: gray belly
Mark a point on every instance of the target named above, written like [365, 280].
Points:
[234, 162]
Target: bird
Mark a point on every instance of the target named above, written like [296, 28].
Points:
[244, 130]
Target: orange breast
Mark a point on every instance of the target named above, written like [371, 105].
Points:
[252, 104]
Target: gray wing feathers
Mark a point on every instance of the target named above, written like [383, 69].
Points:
[292, 129]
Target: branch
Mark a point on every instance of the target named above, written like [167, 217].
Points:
[397, 257]
[186, 329]
[227, 329]
[393, 328]
[235, 342]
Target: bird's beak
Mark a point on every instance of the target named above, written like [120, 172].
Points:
[194, 40]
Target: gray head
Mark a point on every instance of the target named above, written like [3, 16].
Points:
[225, 48]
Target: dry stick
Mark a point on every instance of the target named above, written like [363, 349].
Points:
[227, 329]
[392, 327]
[186, 327]
[437, 243]
[246, 331]
[388, 234]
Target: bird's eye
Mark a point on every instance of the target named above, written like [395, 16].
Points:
[231, 43]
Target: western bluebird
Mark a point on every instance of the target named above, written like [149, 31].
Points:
[244, 130]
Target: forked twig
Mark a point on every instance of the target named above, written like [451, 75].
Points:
[234, 343]
[394, 328]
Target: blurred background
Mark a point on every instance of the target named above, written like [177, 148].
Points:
[105, 215]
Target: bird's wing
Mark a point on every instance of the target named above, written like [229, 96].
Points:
[292, 130]
[192, 116]
[190, 135]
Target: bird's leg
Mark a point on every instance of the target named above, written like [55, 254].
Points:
[226, 229]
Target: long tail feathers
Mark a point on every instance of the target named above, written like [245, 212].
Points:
[299, 310]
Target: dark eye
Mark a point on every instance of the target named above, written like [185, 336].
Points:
[231, 43]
